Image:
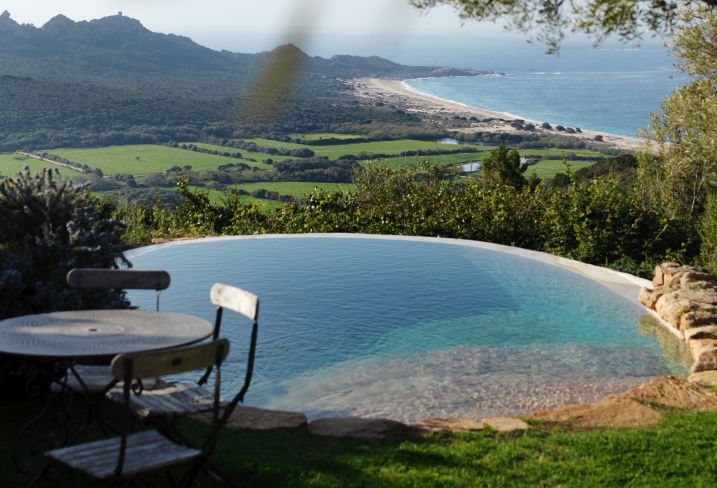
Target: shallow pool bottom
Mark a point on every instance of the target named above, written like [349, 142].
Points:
[417, 329]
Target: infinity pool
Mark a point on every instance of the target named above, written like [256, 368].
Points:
[413, 329]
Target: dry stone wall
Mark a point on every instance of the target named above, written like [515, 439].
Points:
[687, 300]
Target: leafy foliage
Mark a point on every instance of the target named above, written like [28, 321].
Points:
[603, 220]
[503, 166]
[50, 226]
[551, 20]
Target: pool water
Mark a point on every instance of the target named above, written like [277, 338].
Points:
[411, 329]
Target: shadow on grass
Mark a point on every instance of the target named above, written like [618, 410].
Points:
[680, 451]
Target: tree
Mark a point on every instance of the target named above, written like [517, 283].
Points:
[548, 21]
[685, 129]
[503, 166]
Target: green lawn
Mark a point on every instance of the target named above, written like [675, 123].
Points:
[10, 165]
[144, 158]
[679, 452]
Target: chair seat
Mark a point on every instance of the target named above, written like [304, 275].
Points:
[146, 451]
[98, 378]
[176, 399]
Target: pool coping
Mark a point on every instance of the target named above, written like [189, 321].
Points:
[623, 284]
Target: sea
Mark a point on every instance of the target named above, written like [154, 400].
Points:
[612, 88]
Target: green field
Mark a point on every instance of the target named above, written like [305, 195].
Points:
[293, 188]
[440, 160]
[375, 147]
[325, 135]
[259, 156]
[10, 165]
[217, 197]
[548, 168]
[144, 158]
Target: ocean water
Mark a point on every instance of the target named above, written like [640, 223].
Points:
[611, 89]
[411, 330]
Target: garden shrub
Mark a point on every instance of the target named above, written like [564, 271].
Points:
[708, 232]
[50, 226]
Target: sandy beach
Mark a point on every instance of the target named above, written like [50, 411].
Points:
[434, 110]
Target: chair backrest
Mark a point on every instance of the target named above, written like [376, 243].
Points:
[136, 279]
[236, 299]
[135, 366]
[125, 279]
[246, 304]
[171, 361]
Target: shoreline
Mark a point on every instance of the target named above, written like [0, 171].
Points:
[434, 108]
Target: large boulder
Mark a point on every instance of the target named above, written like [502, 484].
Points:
[704, 354]
[697, 319]
[355, 428]
[505, 424]
[251, 418]
[446, 426]
[671, 306]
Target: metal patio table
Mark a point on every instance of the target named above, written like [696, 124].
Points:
[63, 339]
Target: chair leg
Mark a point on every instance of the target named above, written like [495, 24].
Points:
[191, 474]
[216, 473]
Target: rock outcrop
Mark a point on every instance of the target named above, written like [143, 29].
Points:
[687, 301]
[356, 428]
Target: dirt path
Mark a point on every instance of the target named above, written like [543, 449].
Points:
[40, 158]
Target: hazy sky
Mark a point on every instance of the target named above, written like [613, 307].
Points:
[389, 28]
[258, 25]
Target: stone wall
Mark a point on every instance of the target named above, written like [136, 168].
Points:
[687, 300]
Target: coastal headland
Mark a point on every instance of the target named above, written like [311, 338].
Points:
[438, 111]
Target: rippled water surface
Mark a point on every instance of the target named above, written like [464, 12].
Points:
[410, 330]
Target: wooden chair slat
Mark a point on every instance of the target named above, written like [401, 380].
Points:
[236, 299]
[172, 361]
[136, 279]
[170, 400]
[146, 451]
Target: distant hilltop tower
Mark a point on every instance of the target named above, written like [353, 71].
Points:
[119, 13]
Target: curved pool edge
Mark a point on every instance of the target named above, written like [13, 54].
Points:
[624, 284]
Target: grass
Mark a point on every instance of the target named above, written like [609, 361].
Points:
[326, 135]
[144, 158]
[10, 165]
[294, 188]
[259, 156]
[547, 168]
[680, 451]
[441, 160]
[375, 147]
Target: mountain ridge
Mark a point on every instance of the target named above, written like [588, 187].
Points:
[113, 81]
[124, 37]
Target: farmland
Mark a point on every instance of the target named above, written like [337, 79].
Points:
[145, 158]
[11, 165]
[375, 147]
[203, 168]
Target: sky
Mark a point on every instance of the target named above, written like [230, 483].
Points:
[318, 26]
[390, 28]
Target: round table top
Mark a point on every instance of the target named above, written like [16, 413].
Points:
[96, 333]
